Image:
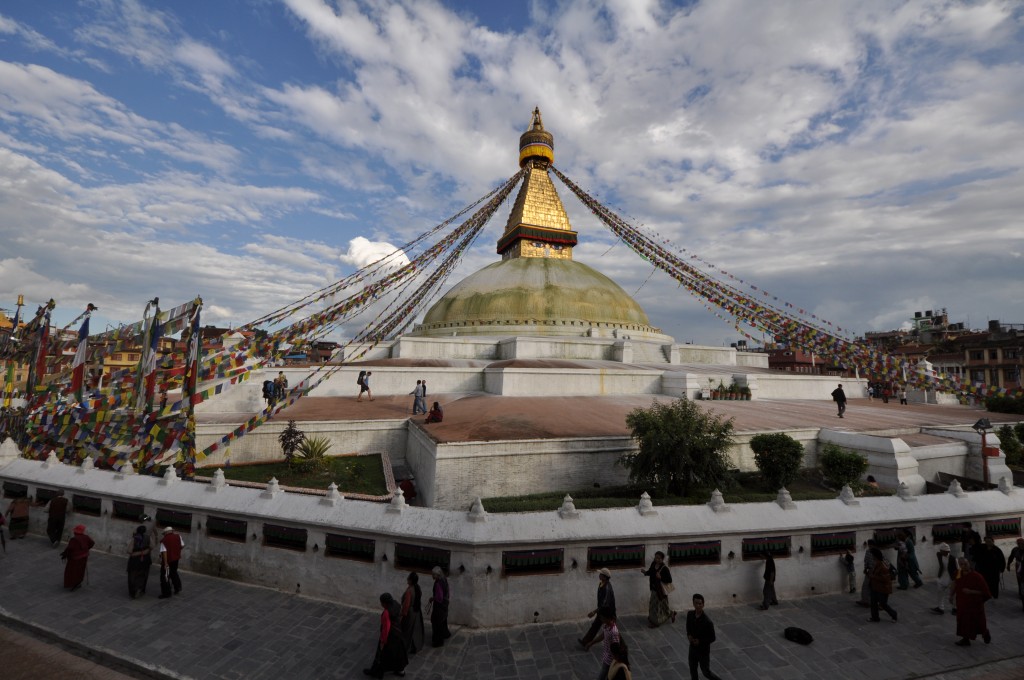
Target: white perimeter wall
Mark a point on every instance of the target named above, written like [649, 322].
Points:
[494, 599]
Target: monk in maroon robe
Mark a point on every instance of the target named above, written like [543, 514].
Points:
[76, 557]
[971, 592]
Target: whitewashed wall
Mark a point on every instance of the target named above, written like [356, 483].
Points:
[493, 599]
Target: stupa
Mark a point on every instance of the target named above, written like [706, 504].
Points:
[537, 288]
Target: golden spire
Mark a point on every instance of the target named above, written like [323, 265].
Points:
[537, 225]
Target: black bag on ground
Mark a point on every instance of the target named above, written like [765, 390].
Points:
[798, 635]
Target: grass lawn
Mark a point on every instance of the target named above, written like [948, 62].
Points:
[748, 489]
[352, 474]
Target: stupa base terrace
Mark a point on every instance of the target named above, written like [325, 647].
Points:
[521, 426]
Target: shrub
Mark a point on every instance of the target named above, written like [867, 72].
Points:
[1018, 429]
[841, 467]
[311, 455]
[779, 458]
[1001, 404]
[681, 446]
[1010, 445]
[290, 439]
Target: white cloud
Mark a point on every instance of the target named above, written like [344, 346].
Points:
[363, 252]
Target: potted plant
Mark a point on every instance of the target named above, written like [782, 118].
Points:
[745, 393]
[721, 390]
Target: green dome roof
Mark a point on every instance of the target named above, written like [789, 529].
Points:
[555, 295]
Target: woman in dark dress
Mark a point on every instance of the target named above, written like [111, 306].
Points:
[659, 611]
[390, 654]
[412, 614]
[139, 561]
[76, 556]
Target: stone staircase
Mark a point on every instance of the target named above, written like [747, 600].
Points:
[648, 353]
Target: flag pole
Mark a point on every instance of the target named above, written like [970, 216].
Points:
[194, 348]
[9, 379]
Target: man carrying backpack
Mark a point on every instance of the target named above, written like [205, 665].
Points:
[364, 385]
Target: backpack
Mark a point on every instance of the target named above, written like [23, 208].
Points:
[362, 376]
[798, 635]
[268, 389]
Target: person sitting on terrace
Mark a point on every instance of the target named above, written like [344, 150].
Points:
[436, 415]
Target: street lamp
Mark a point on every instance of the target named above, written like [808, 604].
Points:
[982, 427]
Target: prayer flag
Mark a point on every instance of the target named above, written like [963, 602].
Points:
[79, 362]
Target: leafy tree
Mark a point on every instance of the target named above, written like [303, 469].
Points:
[841, 467]
[1010, 444]
[681, 446]
[290, 439]
[779, 458]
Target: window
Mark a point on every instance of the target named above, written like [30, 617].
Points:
[777, 546]
[182, 521]
[616, 556]
[1002, 528]
[290, 538]
[993, 354]
[833, 544]
[421, 558]
[87, 505]
[520, 562]
[228, 529]
[1009, 354]
[350, 547]
[702, 552]
[886, 538]
[129, 511]
[978, 355]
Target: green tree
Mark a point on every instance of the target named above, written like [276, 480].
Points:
[778, 456]
[290, 439]
[1010, 444]
[841, 467]
[681, 446]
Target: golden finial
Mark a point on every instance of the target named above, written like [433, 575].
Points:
[536, 144]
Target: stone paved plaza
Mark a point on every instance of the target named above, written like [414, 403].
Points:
[224, 629]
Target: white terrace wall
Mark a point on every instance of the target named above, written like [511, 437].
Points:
[346, 436]
[484, 593]
[466, 470]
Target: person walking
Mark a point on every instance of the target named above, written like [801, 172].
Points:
[608, 636]
[969, 542]
[660, 583]
[990, 563]
[839, 396]
[57, 512]
[419, 402]
[768, 591]
[171, 545]
[17, 512]
[903, 395]
[139, 561]
[390, 653]
[280, 386]
[619, 669]
[971, 592]
[881, 587]
[605, 598]
[412, 614]
[364, 385]
[869, 564]
[700, 631]
[945, 576]
[850, 565]
[907, 567]
[1017, 555]
[76, 557]
[438, 605]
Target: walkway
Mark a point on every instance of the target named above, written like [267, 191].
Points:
[224, 629]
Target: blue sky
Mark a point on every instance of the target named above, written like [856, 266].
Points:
[860, 160]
